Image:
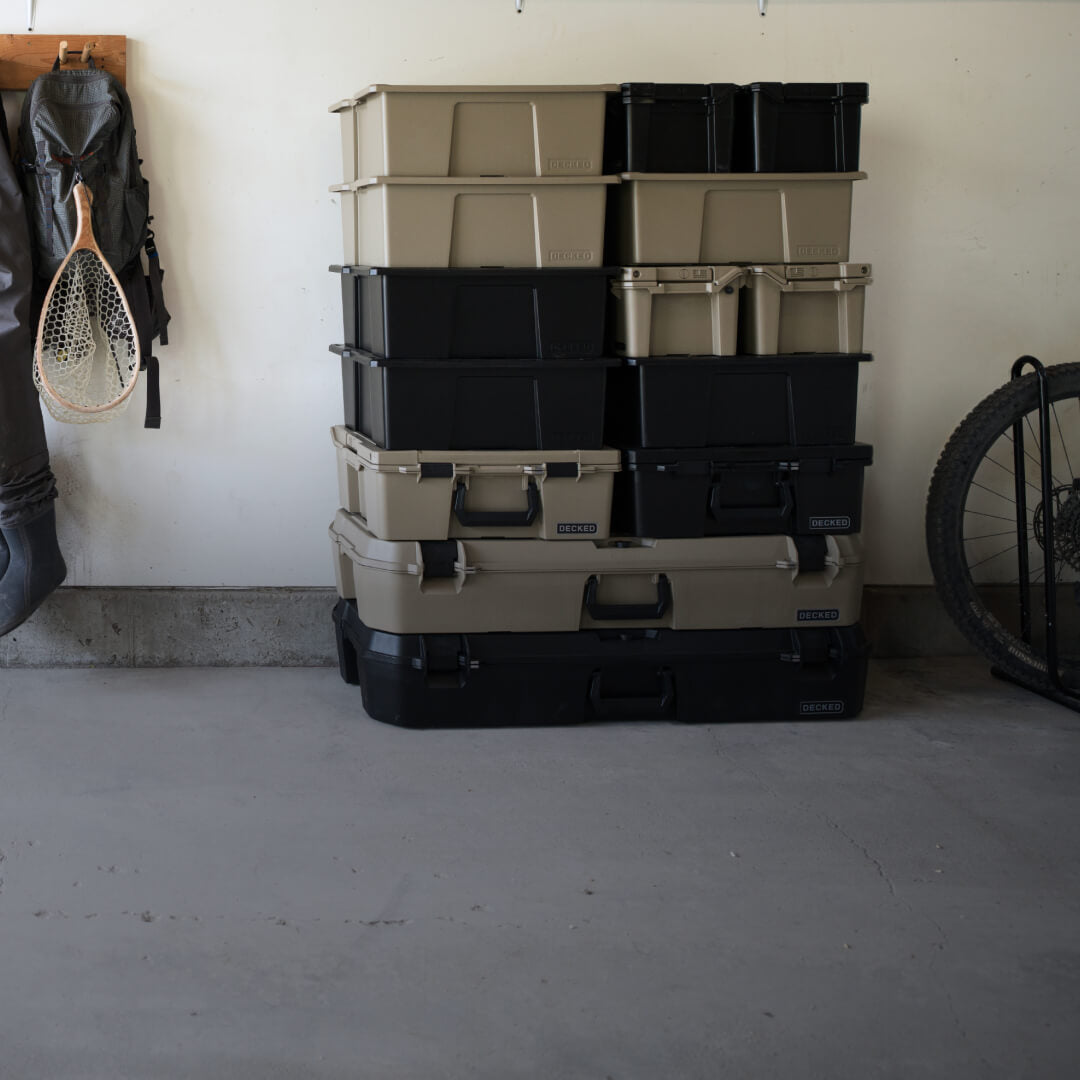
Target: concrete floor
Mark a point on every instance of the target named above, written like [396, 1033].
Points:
[232, 874]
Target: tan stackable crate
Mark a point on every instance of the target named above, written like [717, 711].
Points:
[423, 494]
[473, 131]
[482, 221]
[677, 310]
[532, 585]
[805, 308]
[721, 218]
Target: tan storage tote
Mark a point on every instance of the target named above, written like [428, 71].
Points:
[483, 221]
[473, 131]
[807, 308]
[677, 310]
[734, 218]
[476, 586]
[433, 494]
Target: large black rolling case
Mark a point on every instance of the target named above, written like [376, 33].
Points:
[740, 490]
[691, 676]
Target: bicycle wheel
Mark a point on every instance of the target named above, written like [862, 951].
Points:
[972, 533]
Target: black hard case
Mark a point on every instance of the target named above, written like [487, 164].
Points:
[691, 676]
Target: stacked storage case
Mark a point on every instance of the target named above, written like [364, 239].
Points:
[497, 561]
[738, 314]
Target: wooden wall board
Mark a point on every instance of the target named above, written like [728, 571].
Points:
[25, 56]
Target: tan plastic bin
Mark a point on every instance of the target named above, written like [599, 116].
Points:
[483, 221]
[473, 131]
[734, 218]
[677, 310]
[808, 308]
[432, 494]
[476, 586]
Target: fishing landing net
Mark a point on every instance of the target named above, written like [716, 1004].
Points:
[87, 352]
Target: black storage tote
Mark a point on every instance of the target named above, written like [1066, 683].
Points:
[680, 401]
[691, 676]
[670, 128]
[799, 127]
[474, 404]
[738, 491]
[458, 313]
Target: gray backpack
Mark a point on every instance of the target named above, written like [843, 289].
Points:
[77, 125]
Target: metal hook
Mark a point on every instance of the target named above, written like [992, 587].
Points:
[761, 6]
[520, 6]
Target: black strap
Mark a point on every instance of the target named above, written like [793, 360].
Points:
[153, 393]
[157, 295]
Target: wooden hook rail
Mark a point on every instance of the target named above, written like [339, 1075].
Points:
[25, 56]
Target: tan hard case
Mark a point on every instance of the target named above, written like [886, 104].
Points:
[533, 585]
[436, 494]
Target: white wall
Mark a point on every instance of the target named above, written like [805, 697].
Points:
[969, 217]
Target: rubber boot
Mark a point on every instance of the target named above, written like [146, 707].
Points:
[35, 567]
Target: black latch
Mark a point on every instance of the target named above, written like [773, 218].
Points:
[436, 470]
[439, 557]
[444, 659]
[562, 470]
[811, 551]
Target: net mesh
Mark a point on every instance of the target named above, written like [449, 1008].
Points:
[87, 349]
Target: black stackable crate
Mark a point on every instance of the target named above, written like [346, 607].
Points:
[798, 127]
[666, 402]
[692, 676]
[670, 128]
[738, 491]
[460, 313]
[478, 404]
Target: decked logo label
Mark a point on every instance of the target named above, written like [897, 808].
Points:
[821, 708]
[571, 256]
[826, 523]
[816, 251]
[563, 164]
[818, 614]
[576, 528]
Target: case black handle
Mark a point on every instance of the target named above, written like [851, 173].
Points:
[633, 706]
[602, 612]
[779, 513]
[478, 518]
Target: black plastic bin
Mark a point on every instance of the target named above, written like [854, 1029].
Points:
[474, 404]
[458, 313]
[739, 491]
[798, 127]
[670, 128]
[691, 676]
[806, 399]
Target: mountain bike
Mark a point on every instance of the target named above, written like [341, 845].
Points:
[1003, 528]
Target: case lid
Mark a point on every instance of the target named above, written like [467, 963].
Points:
[705, 275]
[588, 556]
[740, 178]
[853, 272]
[476, 181]
[847, 92]
[361, 356]
[537, 273]
[782, 362]
[489, 462]
[703, 458]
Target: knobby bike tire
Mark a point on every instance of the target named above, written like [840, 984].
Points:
[945, 505]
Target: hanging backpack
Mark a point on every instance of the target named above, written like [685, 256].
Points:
[77, 125]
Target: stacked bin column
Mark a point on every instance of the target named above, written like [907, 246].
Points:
[483, 574]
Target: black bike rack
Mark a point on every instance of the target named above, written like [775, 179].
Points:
[1054, 688]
